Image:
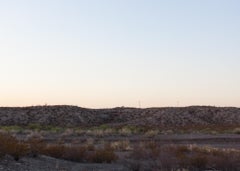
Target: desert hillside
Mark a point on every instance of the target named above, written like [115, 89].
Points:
[77, 116]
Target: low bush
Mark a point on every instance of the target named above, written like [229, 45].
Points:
[13, 128]
[146, 151]
[103, 155]
[151, 133]
[236, 131]
[199, 161]
[9, 145]
[36, 145]
[76, 153]
[121, 145]
[54, 150]
[194, 158]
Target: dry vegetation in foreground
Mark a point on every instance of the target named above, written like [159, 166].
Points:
[141, 156]
[191, 158]
[34, 147]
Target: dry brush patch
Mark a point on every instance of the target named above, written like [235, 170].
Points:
[34, 146]
[174, 157]
[81, 153]
[121, 145]
[9, 145]
[103, 155]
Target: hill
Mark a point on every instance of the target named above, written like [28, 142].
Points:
[163, 117]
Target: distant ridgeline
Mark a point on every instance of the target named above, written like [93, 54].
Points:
[74, 116]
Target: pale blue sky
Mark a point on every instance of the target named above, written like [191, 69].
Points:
[107, 53]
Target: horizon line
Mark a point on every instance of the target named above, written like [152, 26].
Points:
[55, 105]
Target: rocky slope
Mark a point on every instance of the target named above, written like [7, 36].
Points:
[77, 116]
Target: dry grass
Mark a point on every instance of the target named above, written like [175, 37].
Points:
[35, 146]
[11, 146]
[75, 153]
[121, 145]
[143, 155]
[103, 155]
[174, 157]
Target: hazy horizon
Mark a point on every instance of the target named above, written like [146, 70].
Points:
[103, 54]
[52, 105]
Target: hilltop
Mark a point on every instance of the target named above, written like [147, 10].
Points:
[162, 117]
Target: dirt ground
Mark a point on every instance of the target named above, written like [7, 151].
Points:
[45, 163]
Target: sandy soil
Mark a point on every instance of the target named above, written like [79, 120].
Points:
[44, 163]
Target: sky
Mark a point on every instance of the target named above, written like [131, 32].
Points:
[109, 53]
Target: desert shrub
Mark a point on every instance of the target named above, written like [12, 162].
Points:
[103, 155]
[98, 132]
[154, 149]
[182, 149]
[80, 153]
[183, 160]
[125, 131]
[201, 150]
[129, 130]
[226, 161]
[151, 133]
[12, 128]
[89, 144]
[216, 152]
[11, 146]
[18, 150]
[79, 131]
[174, 157]
[72, 153]
[53, 129]
[121, 145]
[146, 151]
[109, 131]
[67, 132]
[217, 162]
[155, 157]
[103, 127]
[166, 161]
[76, 153]
[153, 145]
[166, 132]
[36, 145]
[90, 147]
[236, 131]
[199, 161]
[139, 153]
[54, 150]
[34, 126]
